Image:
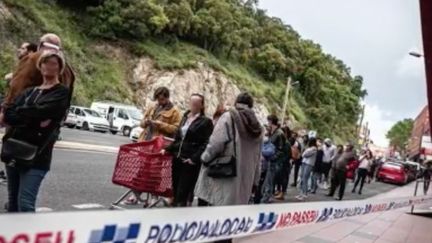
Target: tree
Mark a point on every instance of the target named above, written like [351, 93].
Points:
[400, 133]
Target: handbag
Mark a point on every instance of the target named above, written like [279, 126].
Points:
[16, 152]
[226, 166]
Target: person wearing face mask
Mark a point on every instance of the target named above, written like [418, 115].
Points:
[329, 153]
[189, 144]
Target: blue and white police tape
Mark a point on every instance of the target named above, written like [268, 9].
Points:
[185, 224]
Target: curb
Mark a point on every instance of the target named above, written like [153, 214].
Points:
[82, 146]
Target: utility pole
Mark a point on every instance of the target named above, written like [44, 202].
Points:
[288, 87]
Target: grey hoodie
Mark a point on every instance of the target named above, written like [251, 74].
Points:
[343, 160]
[309, 156]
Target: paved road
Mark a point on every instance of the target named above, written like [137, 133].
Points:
[80, 178]
[95, 138]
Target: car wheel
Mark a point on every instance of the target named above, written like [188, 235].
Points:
[127, 131]
[71, 126]
[85, 126]
[113, 132]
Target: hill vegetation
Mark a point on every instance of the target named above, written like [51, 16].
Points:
[235, 37]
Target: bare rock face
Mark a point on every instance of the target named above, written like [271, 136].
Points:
[215, 86]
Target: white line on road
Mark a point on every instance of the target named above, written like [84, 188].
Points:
[44, 210]
[88, 206]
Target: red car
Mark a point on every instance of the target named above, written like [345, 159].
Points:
[351, 169]
[394, 173]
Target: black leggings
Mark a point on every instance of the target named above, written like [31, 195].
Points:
[282, 178]
[361, 176]
[297, 165]
[184, 178]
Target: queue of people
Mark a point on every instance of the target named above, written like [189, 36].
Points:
[38, 97]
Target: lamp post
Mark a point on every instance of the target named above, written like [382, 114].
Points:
[287, 92]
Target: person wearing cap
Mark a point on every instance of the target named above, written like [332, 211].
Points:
[340, 168]
[329, 153]
[34, 118]
[28, 75]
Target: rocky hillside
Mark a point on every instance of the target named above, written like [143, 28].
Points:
[122, 54]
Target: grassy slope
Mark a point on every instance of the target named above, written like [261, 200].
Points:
[104, 76]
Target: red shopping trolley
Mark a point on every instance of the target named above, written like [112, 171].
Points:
[142, 169]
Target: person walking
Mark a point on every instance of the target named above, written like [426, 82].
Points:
[318, 168]
[329, 152]
[34, 119]
[187, 148]
[237, 135]
[277, 138]
[427, 174]
[363, 170]
[339, 176]
[309, 158]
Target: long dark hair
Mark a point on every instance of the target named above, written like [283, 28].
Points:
[219, 112]
[202, 101]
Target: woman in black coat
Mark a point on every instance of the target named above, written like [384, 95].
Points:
[190, 142]
[34, 119]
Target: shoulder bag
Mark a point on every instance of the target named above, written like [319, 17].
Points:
[226, 166]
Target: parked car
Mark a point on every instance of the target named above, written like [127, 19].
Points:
[351, 169]
[90, 120]
[415, 167]
[71, 120]
[394, 172]
[122, 118]
[135, 133]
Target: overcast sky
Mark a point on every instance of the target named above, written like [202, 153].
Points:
[373, 37]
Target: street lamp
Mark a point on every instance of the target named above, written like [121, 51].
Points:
[415, 54]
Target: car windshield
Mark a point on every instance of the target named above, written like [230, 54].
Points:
[135, 114]
[91, 113]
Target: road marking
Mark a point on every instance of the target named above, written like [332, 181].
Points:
[88, 206]
[44, 210]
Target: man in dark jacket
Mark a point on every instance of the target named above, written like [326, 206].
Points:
[339, 177]
[277, 138]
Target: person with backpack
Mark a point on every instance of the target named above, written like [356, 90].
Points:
[268, 152]
[277, 138]
[296, 151]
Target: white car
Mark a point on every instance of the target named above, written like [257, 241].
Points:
[135, 133]
[88, 119]
[71, 120]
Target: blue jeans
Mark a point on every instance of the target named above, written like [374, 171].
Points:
[306, 175]
[268, 186]
[23, 188]
[316, 177]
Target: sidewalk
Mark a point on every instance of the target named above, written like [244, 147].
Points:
[389, 227]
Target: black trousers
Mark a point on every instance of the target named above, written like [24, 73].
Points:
[326, 170]
[258, 191]
[184, 178]
[297, 165]
[282, 177]
[338, 180]
[361, 177]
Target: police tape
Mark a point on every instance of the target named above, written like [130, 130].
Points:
[185, 224]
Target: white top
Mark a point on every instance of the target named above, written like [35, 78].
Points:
[365, 164]
[329, 153]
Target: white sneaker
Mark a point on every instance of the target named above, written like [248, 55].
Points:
[300, 197]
